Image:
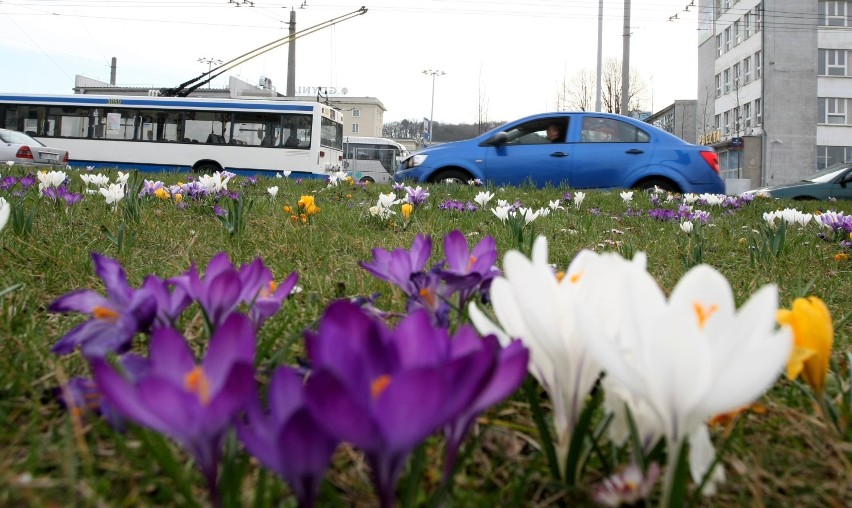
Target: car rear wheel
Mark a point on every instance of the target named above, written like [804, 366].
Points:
[451, 176]
[661, 183]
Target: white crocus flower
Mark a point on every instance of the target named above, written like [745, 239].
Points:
[532, 304]
[555, 205]
[502, 212]
[690, 198]
[686, 226]
[50, 179]
[689, 357]
[121, 178]
[5, 210]
[483, 198]
[273, 191]
[10, 163]
[626, 196]
[113, 193]
[388, 200]
[99, 179]
[578, 199]
[528, 214]
[502, 203]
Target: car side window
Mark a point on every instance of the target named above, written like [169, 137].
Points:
[535, 132]
[608, 130]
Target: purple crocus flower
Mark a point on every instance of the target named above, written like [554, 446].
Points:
[116, 317]
[218, 210]
[386, 390]
[288, 440]
[416, 196]
[50, 192]
[81, 394]
[504, 380]
[466, 270]
[70, 198]
[224, 287]
[8, 182]
[194, 404]
[27, 181]
[398, 266]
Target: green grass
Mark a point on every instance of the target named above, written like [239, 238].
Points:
[783, 457]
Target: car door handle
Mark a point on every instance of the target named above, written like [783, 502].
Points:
[634, 151]
[559, 154]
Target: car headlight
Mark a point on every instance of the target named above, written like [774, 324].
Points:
[415, 160]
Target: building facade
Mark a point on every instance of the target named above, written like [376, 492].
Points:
[774, 86]
[362, 116]
[678, 119]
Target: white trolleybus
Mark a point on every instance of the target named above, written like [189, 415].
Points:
[368, 159]
[204, 135]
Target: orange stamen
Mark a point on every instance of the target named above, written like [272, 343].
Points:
[471, 261]
[427, 295]
[379, 385]
[703, 313]
[105, 314]
[196, 382]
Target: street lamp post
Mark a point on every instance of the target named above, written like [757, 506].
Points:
[434, 74]
[210, 62]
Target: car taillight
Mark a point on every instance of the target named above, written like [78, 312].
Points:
[24, 153]
[66, 159]
[711, 158]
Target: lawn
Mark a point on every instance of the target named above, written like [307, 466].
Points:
[784, 449]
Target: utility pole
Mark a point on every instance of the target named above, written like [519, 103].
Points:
[600, 56]
[625, 60]
[291, 57]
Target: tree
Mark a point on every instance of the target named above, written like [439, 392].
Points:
[481, 107]
[580, 95]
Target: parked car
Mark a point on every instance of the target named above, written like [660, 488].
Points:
[584, 150]
[835, 181]
[23, 150]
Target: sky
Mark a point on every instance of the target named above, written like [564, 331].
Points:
[511, 56]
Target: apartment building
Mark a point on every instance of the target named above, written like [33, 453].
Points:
[774, 86]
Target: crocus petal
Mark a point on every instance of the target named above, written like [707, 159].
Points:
[701, 457]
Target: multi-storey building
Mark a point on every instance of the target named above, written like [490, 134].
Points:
[774, 86]
[678, 118]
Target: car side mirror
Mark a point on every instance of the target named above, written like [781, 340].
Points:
[498, 139]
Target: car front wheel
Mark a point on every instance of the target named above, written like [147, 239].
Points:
[451, 176]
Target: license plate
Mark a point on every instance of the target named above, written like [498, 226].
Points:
[50, 156]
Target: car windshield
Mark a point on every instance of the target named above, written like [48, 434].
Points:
[828, 174]
[17, 138]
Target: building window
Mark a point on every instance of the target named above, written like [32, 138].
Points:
[747, 70]
[354, 128]
[758, 113]
[736, 69]
[719, 45]
[832, 110]
[738, 36]
[758, 18]
[828, 155]
[833, 13]
[832, 62]
[727, 74]
[747, 24]
[726, 128]
[747, 115]
[727, 39]
[356, 113]
[718, 85]
[758, 65]
[718, 122]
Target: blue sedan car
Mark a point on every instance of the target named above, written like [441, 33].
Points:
[582, 150]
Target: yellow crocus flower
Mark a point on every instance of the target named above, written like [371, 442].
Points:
[406, 210]
[813, 336]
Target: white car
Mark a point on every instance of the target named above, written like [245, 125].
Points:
[23, 150]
